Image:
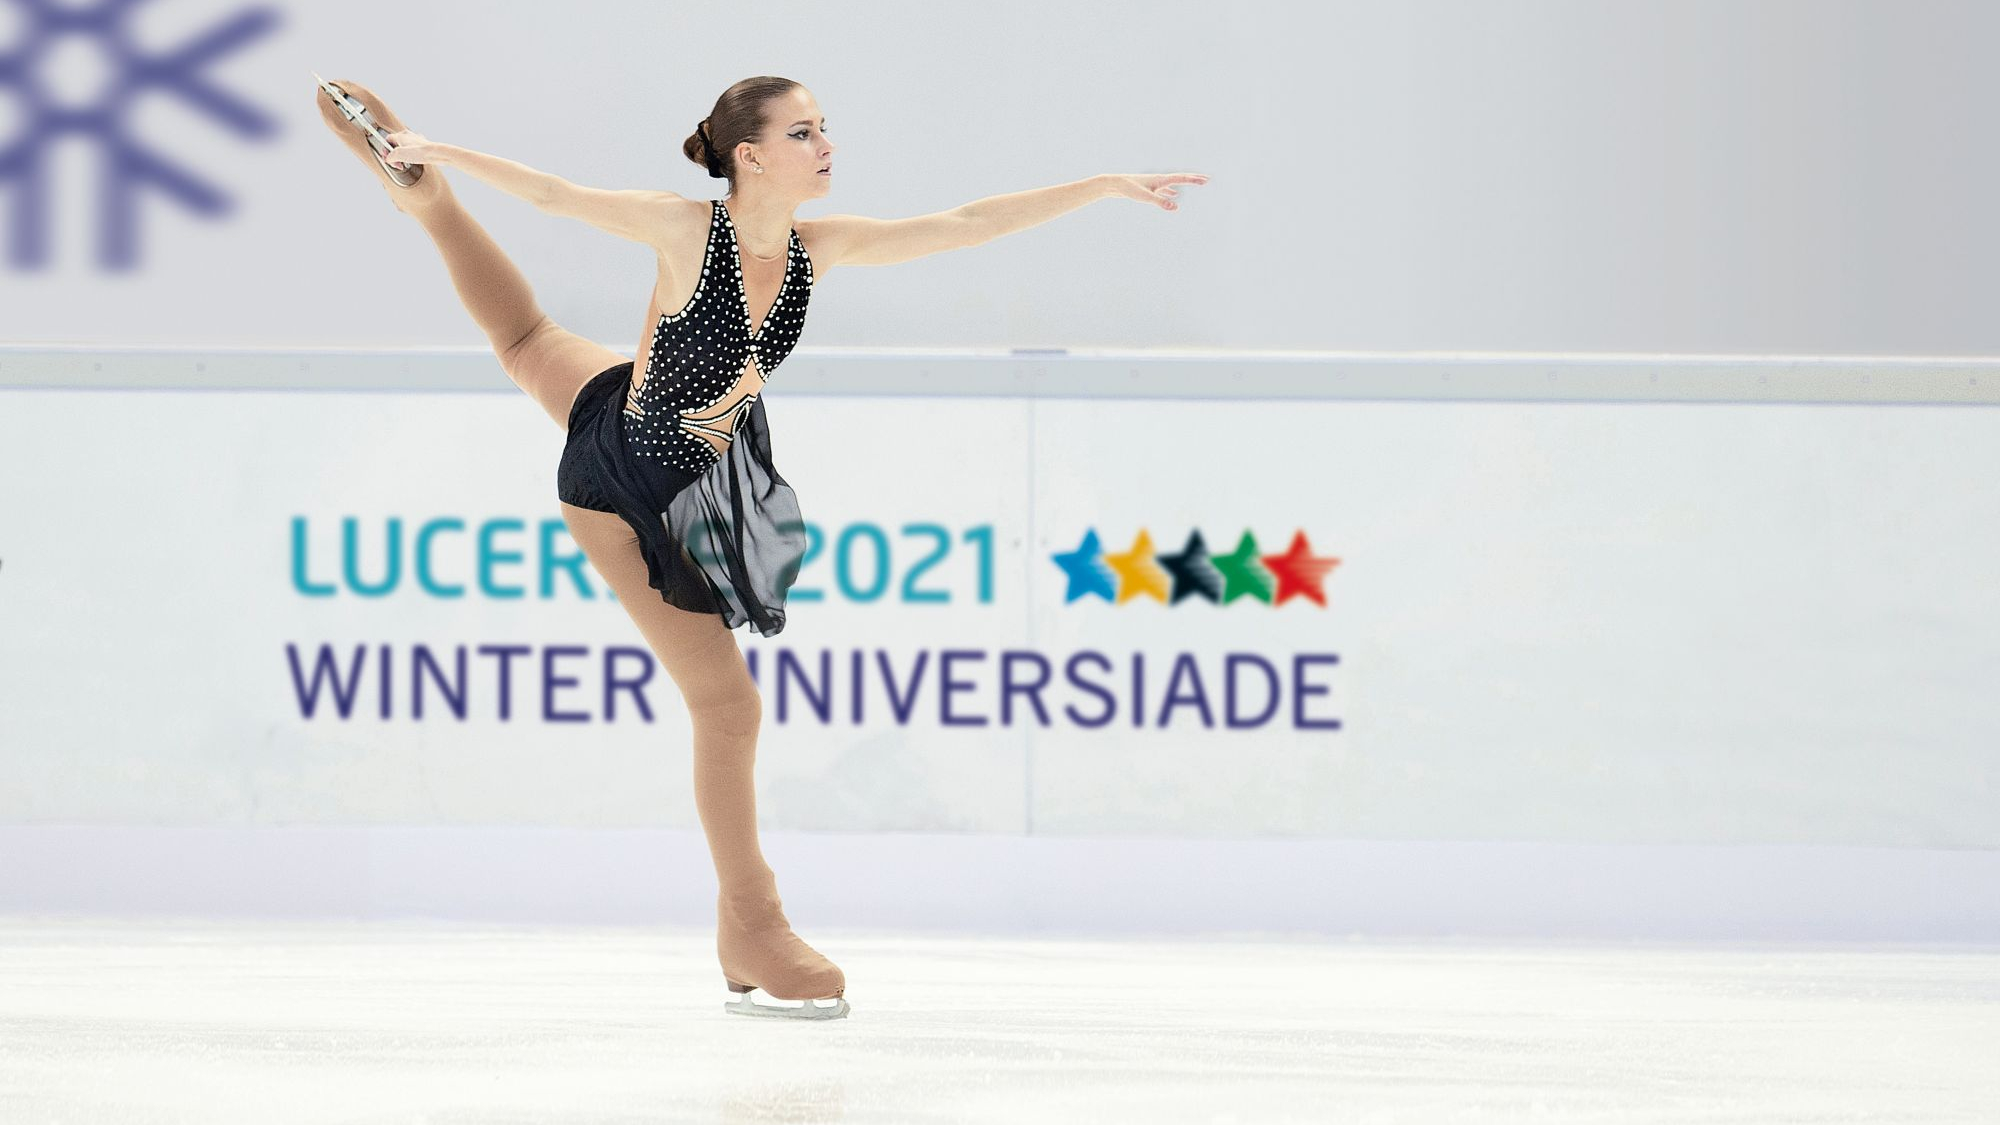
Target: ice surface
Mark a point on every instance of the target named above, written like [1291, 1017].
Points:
[213, 1022]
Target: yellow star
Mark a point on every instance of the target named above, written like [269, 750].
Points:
[1138, 572]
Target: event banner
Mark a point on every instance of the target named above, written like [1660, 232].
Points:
[1584, 622]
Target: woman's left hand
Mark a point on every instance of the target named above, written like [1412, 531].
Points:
[1150, 188]
[414, 148]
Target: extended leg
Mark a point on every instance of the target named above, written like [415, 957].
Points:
[542, 358]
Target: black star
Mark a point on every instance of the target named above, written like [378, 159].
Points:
[1193, 573]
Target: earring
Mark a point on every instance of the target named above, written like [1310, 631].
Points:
[760, 167]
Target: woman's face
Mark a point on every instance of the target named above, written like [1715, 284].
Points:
[795, 147]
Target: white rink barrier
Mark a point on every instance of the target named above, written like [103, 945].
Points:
[1718, 643]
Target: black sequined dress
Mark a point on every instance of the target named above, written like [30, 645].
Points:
[684, 454]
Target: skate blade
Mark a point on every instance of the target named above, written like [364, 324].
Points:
[357, 114]
[743, 1005]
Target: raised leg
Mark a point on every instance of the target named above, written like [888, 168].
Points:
[544, 359]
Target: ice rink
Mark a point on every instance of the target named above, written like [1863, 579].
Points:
[213, 1022]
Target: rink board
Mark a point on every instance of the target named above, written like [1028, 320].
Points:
[1567, 622]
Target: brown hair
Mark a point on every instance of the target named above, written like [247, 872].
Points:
[738, 116]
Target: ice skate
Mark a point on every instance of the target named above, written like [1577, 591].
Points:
[363, 123]
[759, 952]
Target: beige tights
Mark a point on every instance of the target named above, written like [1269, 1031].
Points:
[701, 657]
[754, 940]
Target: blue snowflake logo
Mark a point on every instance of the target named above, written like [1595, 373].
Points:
[79, 71]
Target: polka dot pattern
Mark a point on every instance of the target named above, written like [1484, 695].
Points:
[700, 353]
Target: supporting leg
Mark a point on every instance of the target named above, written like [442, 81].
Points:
[754, 939]
[701, 657]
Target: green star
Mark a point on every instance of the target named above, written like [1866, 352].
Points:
[1243, 572]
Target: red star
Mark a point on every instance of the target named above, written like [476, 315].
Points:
[1298, 572]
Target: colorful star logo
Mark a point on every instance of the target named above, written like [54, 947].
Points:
[1193, 572]
[1243, 572]
[1298, 572]
[1138, 572]
[1086, 570]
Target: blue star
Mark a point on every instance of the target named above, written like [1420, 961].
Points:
[1086, 570]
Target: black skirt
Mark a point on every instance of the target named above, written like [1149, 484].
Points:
[727, 541]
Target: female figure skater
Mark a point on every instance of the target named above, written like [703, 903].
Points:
[666, 481]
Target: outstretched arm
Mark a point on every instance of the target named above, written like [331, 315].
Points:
[854, 240]
[631, 213]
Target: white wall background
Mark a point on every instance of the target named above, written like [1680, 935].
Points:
[1792, 176]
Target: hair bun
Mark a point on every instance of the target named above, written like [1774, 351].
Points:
[698, 149]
